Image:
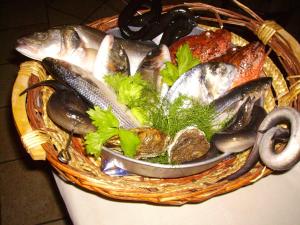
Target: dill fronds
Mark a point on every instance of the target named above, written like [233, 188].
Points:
[183, 112]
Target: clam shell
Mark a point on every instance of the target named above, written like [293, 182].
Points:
[188, 144]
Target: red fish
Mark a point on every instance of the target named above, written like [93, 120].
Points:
[248, 59]
[205, 46]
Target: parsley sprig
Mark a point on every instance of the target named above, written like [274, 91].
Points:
[185, 61]
[108, 126]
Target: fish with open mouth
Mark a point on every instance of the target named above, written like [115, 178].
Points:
[93, 91]
[79, 45]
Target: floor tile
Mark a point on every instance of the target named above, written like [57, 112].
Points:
[103, 11]
[18, 13]
[8, 74]
[28, 193]
[10, 36]
[117, 5]
[11, 147]
[57, 17]
[77, 8]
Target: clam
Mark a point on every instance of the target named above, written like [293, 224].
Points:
[153, 142]
[188, 144]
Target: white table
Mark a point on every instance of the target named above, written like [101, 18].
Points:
[274, 200]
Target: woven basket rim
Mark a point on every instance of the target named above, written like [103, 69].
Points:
[136, 188]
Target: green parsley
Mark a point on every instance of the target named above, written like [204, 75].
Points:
[134, 92]
[108, 126]
[185, 61]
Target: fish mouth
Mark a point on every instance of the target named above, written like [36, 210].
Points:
[26, 49]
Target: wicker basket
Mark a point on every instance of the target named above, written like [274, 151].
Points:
[43, 140]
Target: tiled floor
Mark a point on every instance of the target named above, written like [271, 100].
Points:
[27, 189]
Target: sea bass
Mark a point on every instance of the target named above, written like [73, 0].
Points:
[93, 91]
[78, 45]
[204, 82]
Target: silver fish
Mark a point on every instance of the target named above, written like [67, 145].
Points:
[152, 64]
[229, 104]
[268, 133]
[94, 91]
[78, 45]
[240, 135]
[110, 59]
[204, 82]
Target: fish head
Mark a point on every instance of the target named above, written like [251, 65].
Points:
[256, 88]
[152, 64]
[111, 58]
[56, 42]
[40, 44]
[218, 78]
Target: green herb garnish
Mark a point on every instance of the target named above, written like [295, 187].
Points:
[161, 159]
[134, 92]
[185, 61]
[108, 126]
[183, 112]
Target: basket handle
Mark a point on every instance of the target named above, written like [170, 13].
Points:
[32, 140]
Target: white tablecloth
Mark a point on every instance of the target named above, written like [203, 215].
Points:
[274, 200]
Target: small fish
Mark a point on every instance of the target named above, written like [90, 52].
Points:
[110, 59]
[93, 91]
[268, 133]
[229, 104]
[66, 109]
[204, 82]
[240, 136]
[152, 64]
[78, 45]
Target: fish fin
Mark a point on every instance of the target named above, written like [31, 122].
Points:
[151, 65]
[111, 58]
[51, 83]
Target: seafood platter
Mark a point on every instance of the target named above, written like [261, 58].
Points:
[156, 105]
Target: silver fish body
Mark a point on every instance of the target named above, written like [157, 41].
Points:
[204, 82]
[111, 58]
[78, 45]
[240, 137]
[92, 90]
[152, 64]
[229, 104]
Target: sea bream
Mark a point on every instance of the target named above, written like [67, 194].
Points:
[204, 82]
[78, 45]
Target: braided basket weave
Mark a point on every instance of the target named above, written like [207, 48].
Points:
[43, 140]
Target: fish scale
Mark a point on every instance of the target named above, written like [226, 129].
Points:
[93, 91]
